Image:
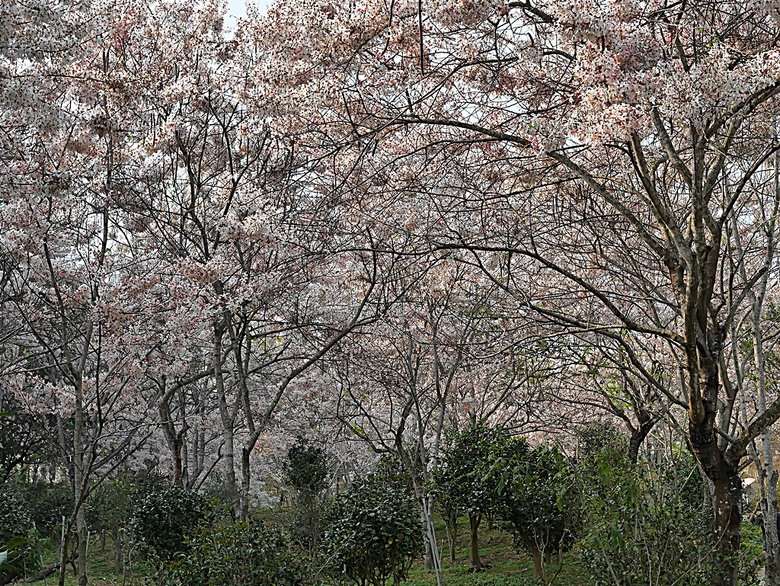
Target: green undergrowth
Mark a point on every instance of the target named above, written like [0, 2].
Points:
[503, 564]
[101, 570]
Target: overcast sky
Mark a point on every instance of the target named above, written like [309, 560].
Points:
[237, 7]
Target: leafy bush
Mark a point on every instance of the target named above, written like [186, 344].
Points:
[751, 555]
[235, 554]
[469, 477]
[47, 503]
[647, 523]
[18, 536]
[26, 438]
[306, 472]
[306, 468]
[541, 505]
[163, 517]
[109, 511]
[473, 474]
[374, 532]
[110, 506]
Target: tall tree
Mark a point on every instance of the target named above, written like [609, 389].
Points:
[591, 157]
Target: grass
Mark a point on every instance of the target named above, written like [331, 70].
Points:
[503, 564]
[100, 568]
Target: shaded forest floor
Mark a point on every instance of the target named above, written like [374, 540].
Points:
[504, 566]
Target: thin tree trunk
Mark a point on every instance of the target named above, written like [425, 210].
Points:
[452, 529]
[82, 537]
[118, 549]
[536, 555]
[226, 415]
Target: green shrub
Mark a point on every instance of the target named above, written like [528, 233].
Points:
[473, 474]
[645, 523]
[469, 476]
[306, 472]
[163, 516]
[235, 554]
[109, 511]
[109, 507]
[374, 532]
[306, 469]
[18, 537]
[47, 503]
[541, 504]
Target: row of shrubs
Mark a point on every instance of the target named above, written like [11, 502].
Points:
[370, 533]
[629, 522]
[372, 530]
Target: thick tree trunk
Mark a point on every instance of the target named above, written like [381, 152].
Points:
[728, 517]
[433, 554]
[476, 562]
[646, 424]
[430, 554]
[229, 466]
[767, 472]
[727, 497]
[172, 439]
[246, 482]
[772, 562]
[79, 485]
[246, 469]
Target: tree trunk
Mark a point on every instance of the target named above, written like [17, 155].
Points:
[772, 562]
[229, 466]
[172, 439]
[246, 468]
[767, 473]
[118, 549]
[476, 563]
[452, 530]
[228, 422]
[646, 424]
[64, 542]
[536, 555]
[79, 485]
[728, 517]
[727, 486]
[82, 537]
[424, 522]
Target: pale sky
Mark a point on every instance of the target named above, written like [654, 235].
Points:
[237, 7]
